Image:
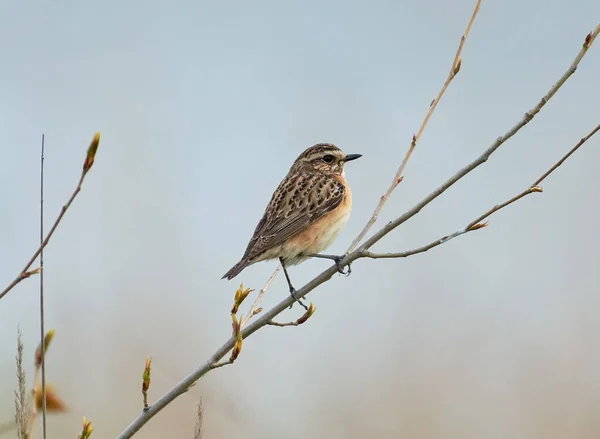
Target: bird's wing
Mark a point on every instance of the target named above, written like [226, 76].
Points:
[299, 201]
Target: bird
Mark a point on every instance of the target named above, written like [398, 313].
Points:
[305, 215]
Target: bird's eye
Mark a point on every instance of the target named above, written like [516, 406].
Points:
[328, 158]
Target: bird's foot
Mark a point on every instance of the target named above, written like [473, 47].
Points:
[337, 259]
[338, 265]
[293, 294]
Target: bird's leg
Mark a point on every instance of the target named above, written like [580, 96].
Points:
[292, 289]
[335, 258]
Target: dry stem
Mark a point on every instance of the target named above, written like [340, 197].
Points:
[21, 406]
[198, 430]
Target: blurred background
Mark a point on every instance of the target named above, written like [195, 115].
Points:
[203, 106]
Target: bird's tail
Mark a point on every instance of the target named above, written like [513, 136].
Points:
[235, 270]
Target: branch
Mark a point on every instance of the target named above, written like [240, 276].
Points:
[476, 224]
[589, 39]
[87, 165]
[255, 309]
[454, 69]
[266, 317]
[307, 315]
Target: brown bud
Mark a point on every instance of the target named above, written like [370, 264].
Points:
[237, 348]
[91, 153]
[457, 66]
[38, 352]
[478, 226]
[146, 375]
[30, 273]
[309, 312]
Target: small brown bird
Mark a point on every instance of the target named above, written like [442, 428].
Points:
[306, 212]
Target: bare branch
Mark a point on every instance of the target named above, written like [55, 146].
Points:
[566, 156]
[89, 160]
[268, 316]
[476, 224]
[454, 69]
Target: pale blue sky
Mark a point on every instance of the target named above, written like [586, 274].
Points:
[202, 107]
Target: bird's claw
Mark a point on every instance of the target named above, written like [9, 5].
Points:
[293, 294]
[339, 267]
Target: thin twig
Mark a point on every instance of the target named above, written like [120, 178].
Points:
[454, 69]
[24, 274]
[221, 364]
[566, 156]
[282, 325]
[468, 228]
[255, 309]
[267, 316]
[476, 224]
[42, 329]
[303, 318]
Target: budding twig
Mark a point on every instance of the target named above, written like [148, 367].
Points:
[309, 312]
[236, 325]
[86, 430]
[146, 381]
[255, 309]
[88, 162]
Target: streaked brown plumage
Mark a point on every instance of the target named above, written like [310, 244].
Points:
[306, 212]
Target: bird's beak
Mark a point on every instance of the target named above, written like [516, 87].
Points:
[352, 157]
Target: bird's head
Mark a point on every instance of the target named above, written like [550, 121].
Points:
[325, 158]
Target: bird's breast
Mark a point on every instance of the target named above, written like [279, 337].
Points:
[321, 234]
